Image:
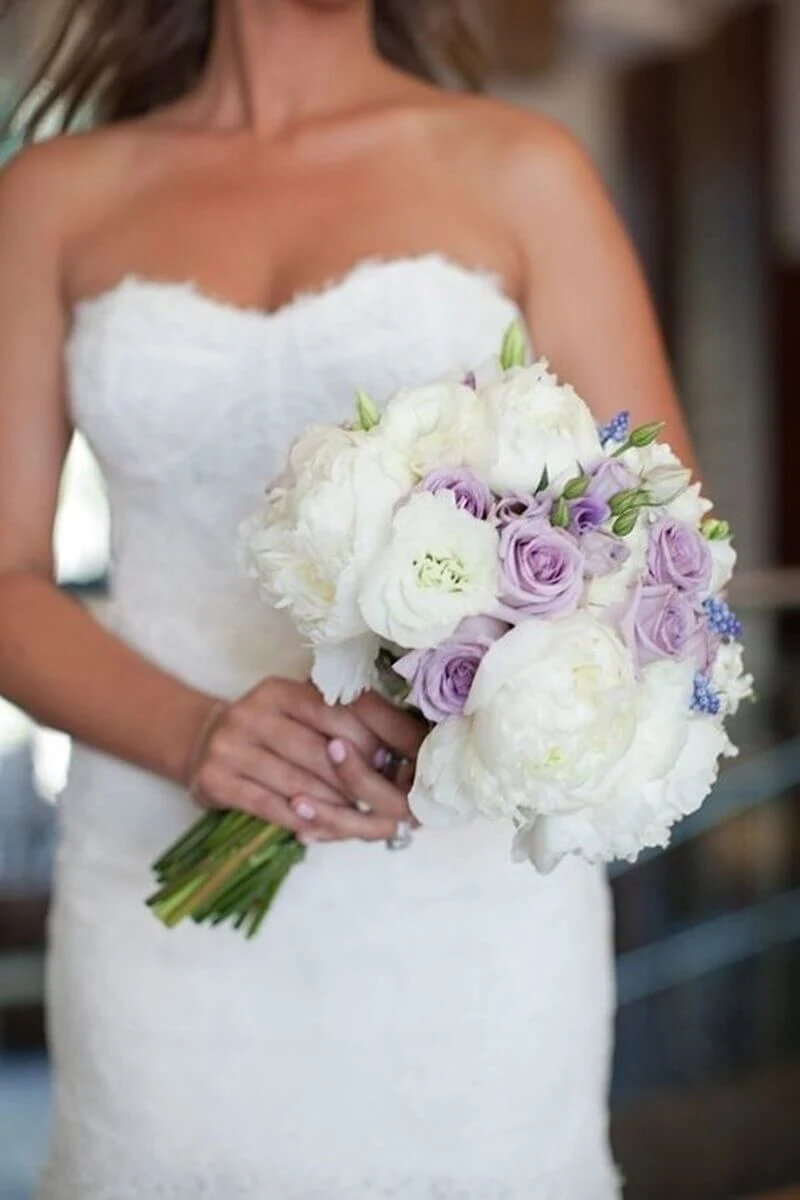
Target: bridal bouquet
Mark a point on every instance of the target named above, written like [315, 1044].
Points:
[549, 594]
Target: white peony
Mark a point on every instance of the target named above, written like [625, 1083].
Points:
[313, 545]
[440, 796]
[667, 774]
[439, 565]
[553, 710]
[535, 423]
[436, 426]
[729, 678]
[723, 558]
[621, 822]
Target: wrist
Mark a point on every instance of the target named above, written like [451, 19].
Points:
[205, 727]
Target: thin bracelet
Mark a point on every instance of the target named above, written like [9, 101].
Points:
[204, 734]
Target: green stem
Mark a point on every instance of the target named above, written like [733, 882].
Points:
[212, 885]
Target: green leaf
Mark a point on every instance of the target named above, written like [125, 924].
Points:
[544, 482]
[645, 435]
[513, 350]
[626, 524]
[367, 415]
[577, 487]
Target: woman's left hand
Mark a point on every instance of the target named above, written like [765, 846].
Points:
[379, 790]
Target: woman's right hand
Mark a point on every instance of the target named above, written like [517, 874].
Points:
[272, 744]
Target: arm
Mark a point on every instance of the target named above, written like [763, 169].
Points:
[56, 661]
[586, 300]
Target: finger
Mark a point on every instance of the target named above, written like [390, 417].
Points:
[246, 796]
[367, 787]
[393, 727]
[331, 823]
[304, 748]
[305, 704]
[269, 770]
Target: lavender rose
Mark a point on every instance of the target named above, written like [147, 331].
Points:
[587, 513]
[609, 478]
[514, 505]
[680, 556]
[441, 679]
[470, 493]
[603, 553]
[660, 622]
[541, 569]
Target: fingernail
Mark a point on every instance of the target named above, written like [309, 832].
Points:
[305, 810]
[307, 839]
[381, 759]
[337, 752]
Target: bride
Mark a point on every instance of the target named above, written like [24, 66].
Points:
[275, 206]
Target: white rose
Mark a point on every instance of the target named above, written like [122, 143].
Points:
[723, 558]
[535, 423]
[312, 546]
[430, 427]
[439, 565]
[633, 808]
[553, 710]
[729, 678]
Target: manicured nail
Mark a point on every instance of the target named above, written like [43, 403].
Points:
[337, 753]
[307, 839]
[381, 759]
[305, 810]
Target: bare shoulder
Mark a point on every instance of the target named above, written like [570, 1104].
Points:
[527, 162]
[56, 186]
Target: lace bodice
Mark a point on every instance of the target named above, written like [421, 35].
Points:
[191, 405]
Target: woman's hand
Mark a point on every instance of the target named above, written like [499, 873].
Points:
[274, 744]
[380, 802]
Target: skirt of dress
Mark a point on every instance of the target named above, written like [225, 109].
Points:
[427, 1025]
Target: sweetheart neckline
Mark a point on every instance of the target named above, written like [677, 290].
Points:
[301, 300]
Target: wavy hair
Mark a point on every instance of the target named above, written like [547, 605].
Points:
[125, 58]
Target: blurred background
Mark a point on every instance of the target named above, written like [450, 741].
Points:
[691, 109]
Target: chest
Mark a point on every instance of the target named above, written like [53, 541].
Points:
[258, 233]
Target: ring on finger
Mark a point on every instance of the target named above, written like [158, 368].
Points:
[403, 837]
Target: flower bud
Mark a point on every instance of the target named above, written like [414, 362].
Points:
[367, 415]
[560, 515]
[626, 523]
[513, 350]
[645, 435]
[715, 531]
[665, 484]
[577, 487]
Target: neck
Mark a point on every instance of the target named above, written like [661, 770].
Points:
[277, 62]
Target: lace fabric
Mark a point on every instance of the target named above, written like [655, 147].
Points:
[433, 1025]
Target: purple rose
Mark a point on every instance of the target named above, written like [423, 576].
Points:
[703, 647]
[441, 679]
[610, 477]
[542, 569]
[470, 493]
[587, 513]
[660, 622]
[603, 553]
[680, 556]
[515, 505]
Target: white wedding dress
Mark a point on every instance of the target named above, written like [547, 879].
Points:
[427, 1025]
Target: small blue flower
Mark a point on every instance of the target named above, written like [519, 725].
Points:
[721, 620]
[705, 700]
[616, 430]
